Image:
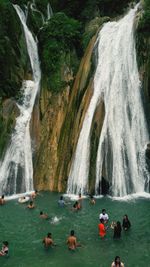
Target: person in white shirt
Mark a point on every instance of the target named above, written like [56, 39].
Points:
[104, 216]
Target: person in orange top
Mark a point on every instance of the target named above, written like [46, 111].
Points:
[102, 228]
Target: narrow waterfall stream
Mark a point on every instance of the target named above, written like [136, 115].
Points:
[16, 169]
[121, 150]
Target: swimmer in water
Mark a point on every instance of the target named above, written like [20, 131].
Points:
[44, 215]
[61, 202]
[92, 200]
[117, 230]
[2, 201]
[76, 206]
[72, 241]
[48, 241]
[4, 250]
[31, 205]
[117, 262]
[34, 194]
[126, 223]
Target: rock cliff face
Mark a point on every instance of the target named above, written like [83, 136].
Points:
[61, 120]
[143, 54]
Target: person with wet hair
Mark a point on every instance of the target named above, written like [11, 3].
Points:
[4, 250]
[126, 223]
[72, 241]
[76, 206]
[117, 262]
[2, 200]
[48, 241]
[44, 215]
[117, 230]
[31, 205]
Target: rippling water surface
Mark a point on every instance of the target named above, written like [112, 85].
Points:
[25, 230]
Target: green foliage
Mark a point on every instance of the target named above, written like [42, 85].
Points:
[112, 7]
[9, 35]
[70, 8]
[5, 130]
[144, 23]
[142, 35]
[55, 40]
[42, 5]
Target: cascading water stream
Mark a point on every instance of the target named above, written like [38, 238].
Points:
[16, 169]
[49, 11]
[121, 150]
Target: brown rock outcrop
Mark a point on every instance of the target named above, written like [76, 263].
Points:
[61, 121]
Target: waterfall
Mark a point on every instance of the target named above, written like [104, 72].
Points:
[16, 169]
[49, 11]
[33, 8]
[121, 150]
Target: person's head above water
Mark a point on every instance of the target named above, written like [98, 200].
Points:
[41, 212]
[125, 217]
[72, 232]
[61, 197]
[103, 211]
[5, 243]
[102, 220]
[117, 260]
[49, 235]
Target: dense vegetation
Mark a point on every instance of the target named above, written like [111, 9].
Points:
[60, 41]
[9, 60]
[144, 23]
[143, 35]
[60, 36]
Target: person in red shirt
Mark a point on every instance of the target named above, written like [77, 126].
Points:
[102, 228]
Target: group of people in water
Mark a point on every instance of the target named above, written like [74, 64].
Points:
[116, 226]
[72, 240]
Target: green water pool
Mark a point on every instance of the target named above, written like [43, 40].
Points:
[25, 230]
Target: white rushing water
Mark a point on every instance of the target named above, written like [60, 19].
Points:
[49, 11]
[16, 169]
[124, 134]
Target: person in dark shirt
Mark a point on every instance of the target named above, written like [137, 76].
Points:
[117, 230]
[126, 223]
